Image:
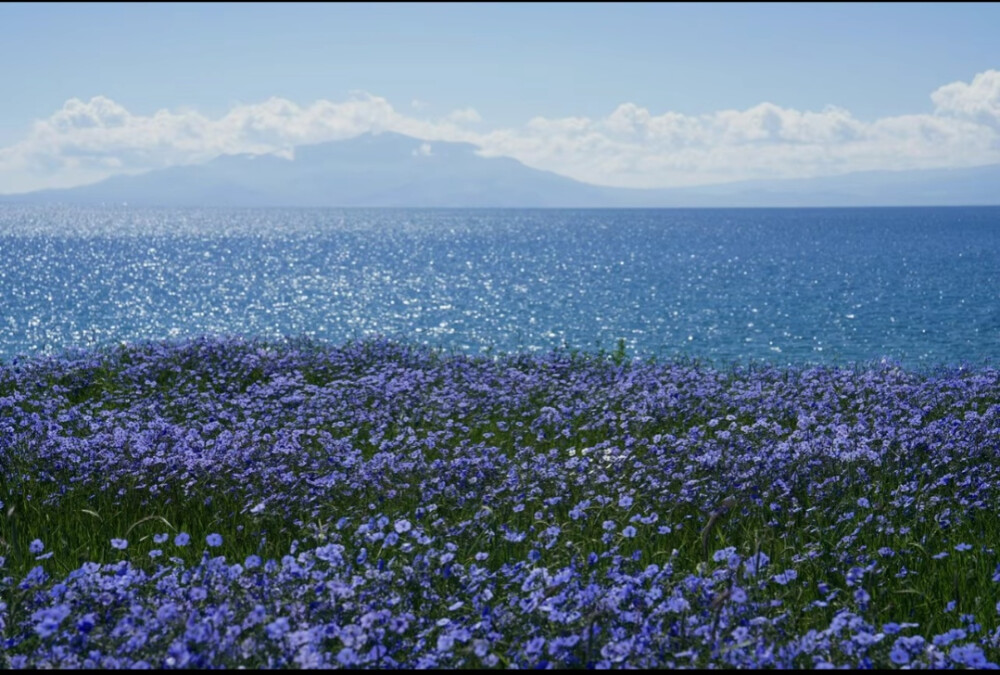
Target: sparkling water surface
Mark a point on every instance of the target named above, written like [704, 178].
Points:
[786, 286]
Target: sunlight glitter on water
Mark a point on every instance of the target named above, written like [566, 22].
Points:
[781, 285]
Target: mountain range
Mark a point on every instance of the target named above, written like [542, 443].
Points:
[393, 170]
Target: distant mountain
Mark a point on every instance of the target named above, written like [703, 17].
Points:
[390, 169]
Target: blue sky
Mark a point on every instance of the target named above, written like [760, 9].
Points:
[620, 94]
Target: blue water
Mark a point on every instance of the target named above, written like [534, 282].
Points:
[917, 285]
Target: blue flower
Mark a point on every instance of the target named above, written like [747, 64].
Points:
[36, 546]
[785, 577]
[899, 655]
[677, 604]
[949, 637]
[182, 539]
[970, 656]
[534, 646]
[755, 562]
[166, 612]
[120, 544]
[178, 655]
[348, 657]
[86, 623]
[445, 642]
[277, 628]
[214, 539]
[47, 620]
[629, 531]
[723, 554]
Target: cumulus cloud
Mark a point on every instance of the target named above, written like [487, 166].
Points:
[86, 141]
[978, 100]
[630, 147]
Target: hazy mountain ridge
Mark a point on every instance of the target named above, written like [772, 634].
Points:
[393, 170]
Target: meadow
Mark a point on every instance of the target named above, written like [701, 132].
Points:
[224, 502]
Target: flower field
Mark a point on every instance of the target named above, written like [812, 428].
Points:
[221, 502]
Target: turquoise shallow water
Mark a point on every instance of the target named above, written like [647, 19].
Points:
[920, 286]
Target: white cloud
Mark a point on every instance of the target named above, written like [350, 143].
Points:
[631, 146]
[465, 116]
[978, 101]
[87, 141]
